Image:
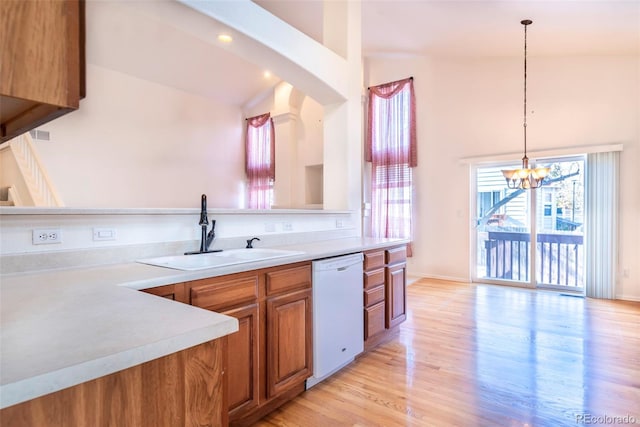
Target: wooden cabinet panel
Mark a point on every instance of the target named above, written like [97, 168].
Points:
[242, 371]
[270, 356]
[384, 293]
[289, 341]
[179, 390]
[396, 295]
[374, 320]
[289, 279]
[174, 292]
[224, 292]
[41, 62]
[396, 255]
[374, 295]
[373, 278]
[373, 259]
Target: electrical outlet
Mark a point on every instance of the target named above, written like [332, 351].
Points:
[46, 236]
[287, 226]
[339, 223]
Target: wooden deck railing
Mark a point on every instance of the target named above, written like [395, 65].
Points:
[558, 262]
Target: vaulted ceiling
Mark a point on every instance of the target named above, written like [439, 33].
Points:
[139, 39]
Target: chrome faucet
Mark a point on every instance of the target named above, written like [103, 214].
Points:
[207, 238]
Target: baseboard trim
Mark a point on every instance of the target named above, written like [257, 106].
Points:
[628, 298]
[418, 276]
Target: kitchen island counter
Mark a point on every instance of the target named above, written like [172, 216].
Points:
[64, 327]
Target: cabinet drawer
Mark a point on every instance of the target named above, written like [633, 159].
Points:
[289, 279]
[396, 255]
[175, 292]
[225, 293]
[373, 259]
[373, 295]
[373, 278]
[374, 320]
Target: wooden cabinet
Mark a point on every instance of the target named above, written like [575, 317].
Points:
[289, 343]
[270, 356]
[243, 361]
[384, 293]
[182, 389]
[374, 294]
[41, 62]
[396, 296]
[237, 296]
[174, 292]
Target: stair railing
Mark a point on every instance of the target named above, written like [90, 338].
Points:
[39, 184]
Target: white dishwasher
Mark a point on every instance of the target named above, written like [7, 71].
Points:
[338, 318]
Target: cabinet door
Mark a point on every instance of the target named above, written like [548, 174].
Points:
[289, 341]
[41, 62]
[396, 295]
[242, 370]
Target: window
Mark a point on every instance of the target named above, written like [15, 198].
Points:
[260, 161]
[391, 149]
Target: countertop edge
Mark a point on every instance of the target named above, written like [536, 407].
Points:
[51, 382]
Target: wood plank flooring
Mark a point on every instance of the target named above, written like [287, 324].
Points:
[483, 355]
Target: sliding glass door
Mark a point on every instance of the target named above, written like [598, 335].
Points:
[503, 229]
[506, 231]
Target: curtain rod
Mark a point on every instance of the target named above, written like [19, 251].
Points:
[410, 78]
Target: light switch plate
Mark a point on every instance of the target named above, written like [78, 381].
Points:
[102, 234]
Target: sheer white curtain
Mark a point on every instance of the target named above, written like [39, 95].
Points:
[601, 228]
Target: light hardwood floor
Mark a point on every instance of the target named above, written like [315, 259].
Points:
[483, 355]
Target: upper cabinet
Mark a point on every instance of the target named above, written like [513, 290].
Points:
[41, 62]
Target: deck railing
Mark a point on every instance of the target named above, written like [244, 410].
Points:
[559, 260]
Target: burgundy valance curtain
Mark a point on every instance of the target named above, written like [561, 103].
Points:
[392, 150]
[260, 164]
[389, 140]
[260, 147]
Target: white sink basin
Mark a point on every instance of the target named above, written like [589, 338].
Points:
[217, 259]
[257, 253]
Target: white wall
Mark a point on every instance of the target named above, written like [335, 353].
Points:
[473, 107]
[134, 143]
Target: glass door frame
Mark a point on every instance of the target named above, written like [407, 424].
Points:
[556, 287]
[532, 283]
[473, 241]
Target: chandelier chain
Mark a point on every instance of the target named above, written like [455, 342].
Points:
[525, 178]
[525, 91]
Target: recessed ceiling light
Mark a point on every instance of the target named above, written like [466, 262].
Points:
[225, 38]
[267, 74]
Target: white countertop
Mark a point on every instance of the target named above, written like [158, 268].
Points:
[64, 327]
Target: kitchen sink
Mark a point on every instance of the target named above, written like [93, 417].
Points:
[218, 259]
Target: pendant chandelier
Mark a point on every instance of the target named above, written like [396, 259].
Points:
[525, 178]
